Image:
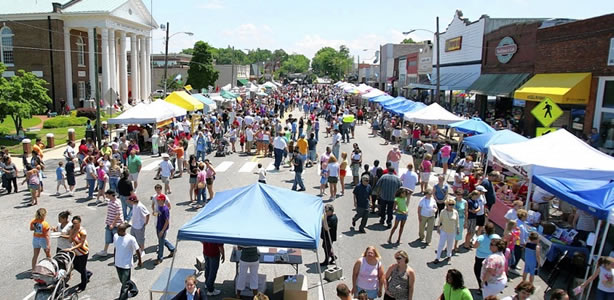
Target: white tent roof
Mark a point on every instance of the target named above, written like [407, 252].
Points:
[432, 114]
[149, 113]
[363, 88]
[227, 87]
[269, 85]
[373, 93]
[556, 150]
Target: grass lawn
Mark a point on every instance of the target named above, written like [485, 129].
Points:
[61, 135]
[9, 126]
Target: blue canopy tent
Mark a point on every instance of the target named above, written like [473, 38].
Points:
[209, 104]
[481, 142]
[474, 125]
[594, 196]
[392, 102]
[258, 215]
[381, 98]
[412, 107]
[397, 108]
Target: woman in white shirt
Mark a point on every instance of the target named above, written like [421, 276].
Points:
[467, 164]
[427, 207]
[333, 175]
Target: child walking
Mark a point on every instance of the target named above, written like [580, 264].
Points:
[261, 174]
[323, 179]
[510, 236]
[60, 175]
[605, 272]
[400, 203]
[531, 257]
[101, 175]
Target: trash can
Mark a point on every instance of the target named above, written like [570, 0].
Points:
[27, 146]
[71, 134]
[154, 143]
[50, 140]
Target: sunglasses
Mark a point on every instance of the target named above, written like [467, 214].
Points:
[450, 204]
[398, 258]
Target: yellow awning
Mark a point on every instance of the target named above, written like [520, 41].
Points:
[184, 100]
[562, 88]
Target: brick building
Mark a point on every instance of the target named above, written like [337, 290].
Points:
[577, 59]
[54, 39]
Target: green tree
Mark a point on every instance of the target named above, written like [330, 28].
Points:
[408, 41]
[259, 55]
[225, 56]
[22, 96]
[202, 74]
[296, 63]
[331, 63]
[189, 51]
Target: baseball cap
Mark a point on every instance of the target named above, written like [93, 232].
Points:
[481, 188]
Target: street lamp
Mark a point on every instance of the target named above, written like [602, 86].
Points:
[437, 91]
[166, 50]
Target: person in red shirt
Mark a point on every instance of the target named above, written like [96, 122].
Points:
[214, 254]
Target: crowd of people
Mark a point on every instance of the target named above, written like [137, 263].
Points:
[287, 126]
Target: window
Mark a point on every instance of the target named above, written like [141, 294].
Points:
[6, 46]
[81, 92]
[608, 94]
[80, 52]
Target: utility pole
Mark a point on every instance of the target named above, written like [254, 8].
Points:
[97, 96]
[437, 91]
[358, 70]
[232, 72]
[165, 60]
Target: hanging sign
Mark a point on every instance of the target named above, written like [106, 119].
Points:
[506, 49]
[546, 112]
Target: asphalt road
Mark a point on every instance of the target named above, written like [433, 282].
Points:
[233, 171]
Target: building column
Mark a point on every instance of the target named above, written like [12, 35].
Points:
[123, 68]
[112, 64]
[104, 33]
[148, 61]
[91, 62]
[133, 67]
[68, 69]
[143, 69]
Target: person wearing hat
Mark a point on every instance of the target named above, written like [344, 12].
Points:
[482, 214]
[114, 218]
[166, 171]
[162, 226]
[362, 193]
[447, 229]
[125, 247]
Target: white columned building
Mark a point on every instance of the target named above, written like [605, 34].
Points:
[123, 68]
[104, 92]
[112, 63]
[134, 80]
[143, 70]
[68, 67]
[91, 54]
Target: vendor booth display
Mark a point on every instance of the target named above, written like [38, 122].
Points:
[272, 222]
[184, 100]
[433, 114]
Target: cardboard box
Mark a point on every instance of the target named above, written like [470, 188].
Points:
[291, 290]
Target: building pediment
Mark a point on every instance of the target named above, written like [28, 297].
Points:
[135, 11]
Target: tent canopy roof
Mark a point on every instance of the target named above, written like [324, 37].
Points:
[481, 142]
[432, 114]
[149, 113]
[258, 215]
[472, 126]
[373, 93]
[381, 98]
[559, 149]
[184, 100]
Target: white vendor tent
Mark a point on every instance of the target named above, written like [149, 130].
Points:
[433, 114]
[227, 87]
[270, 85]
[363, 88]
[373, 93]
[149, 113]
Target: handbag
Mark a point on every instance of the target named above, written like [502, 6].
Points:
[200, 185]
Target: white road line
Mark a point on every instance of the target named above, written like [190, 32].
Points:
[29, 295]
[248, 167]
[270, 167]
[225, 165]
[151, 165]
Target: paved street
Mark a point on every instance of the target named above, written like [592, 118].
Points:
[232, 171]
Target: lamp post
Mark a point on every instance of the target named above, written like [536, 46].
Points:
[166, 51]
[437, 90]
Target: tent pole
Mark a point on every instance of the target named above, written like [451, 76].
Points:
[530, 189]
[590, 259]
[170, 272]
[604, 234]
[320, 274]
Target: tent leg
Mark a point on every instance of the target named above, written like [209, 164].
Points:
[604, 235]
[590, 261]
[530, 183]
[320, 274]
[168, 280]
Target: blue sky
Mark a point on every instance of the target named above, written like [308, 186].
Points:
[306, 26]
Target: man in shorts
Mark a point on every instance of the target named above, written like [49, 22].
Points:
[166, 171]
[140, 219]
[134, 166]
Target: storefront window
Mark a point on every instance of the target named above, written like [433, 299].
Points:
[606, 130]
[608, 94]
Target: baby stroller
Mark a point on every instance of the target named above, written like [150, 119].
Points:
[221, 147]
[51, 276]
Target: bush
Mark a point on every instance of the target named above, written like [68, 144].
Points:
[64, 121]
[4, 131]
[89, 113]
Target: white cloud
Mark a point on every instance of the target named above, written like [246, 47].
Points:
[250, 36]
[212, 4]
[311, 43]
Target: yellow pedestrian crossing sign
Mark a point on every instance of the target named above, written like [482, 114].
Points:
[539, 131]
[546, 112]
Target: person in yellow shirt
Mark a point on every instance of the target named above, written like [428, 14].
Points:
[38, 148]
[106, 149]
[40, 237]
[302, 146]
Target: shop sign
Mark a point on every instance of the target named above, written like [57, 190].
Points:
[506, 49]
[539, 131]
[454, 44]
[546, 112]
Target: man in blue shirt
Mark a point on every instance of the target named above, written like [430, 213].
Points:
[362, 192]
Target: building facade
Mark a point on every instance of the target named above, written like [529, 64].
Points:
[56, 41]
[231, 75]
[178, 64]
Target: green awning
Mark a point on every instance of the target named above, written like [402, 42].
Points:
[228, 95]
[498, 84]
[242, 82]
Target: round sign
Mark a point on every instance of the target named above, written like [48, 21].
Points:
[506, 49]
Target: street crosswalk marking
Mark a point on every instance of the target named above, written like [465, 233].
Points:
[151, 165]
[223, 166]
[271, 167]
[248, 167]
